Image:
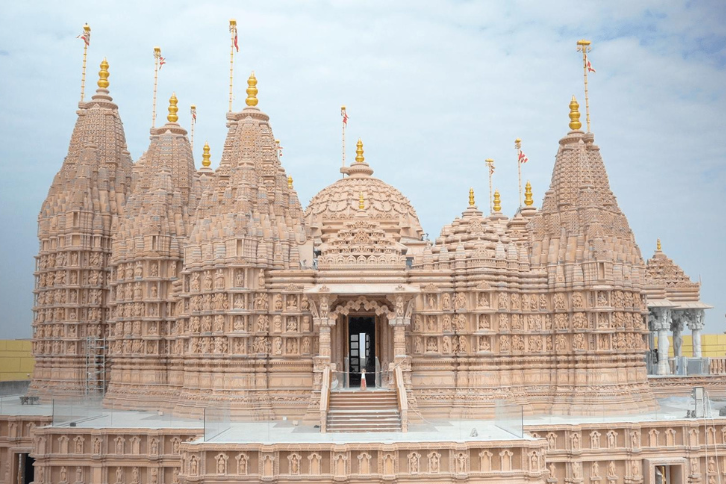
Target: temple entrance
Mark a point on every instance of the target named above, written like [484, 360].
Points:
[362, 350]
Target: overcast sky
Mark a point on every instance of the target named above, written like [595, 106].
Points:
[433, 88]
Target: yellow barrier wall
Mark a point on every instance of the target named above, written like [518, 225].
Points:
[16, 360]
[711, 345]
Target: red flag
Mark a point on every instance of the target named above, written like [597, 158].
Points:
[491, 168]
[344, 113]
[194, 114]
[86, 36]
[235, 41]
[589, 66]
[522, 157]
[279, 148]
[162, 61]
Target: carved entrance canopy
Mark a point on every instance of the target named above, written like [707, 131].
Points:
[328, 302]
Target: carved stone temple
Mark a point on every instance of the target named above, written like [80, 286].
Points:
[173, 293]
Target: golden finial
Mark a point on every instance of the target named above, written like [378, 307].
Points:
[361, 204]
[657, 246]
[252, 90]
[205, 156]
[497, 202]
[103, 75]
[528, 195]
[359, 152]
[471, 197]
[575, 123]
[289, 182]
[172, 117]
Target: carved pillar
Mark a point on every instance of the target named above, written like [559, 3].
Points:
[695, 324]
[660, 321]
[677, 328]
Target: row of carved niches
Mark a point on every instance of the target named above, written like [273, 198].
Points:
[70, 277]
[544, 302]
[16, 429]
[69, 297]
[110, 444]
[239, 323]
[79, 259]
[253, 345]
[148, 269]
[73, 313]
[514, 322]
[524, 343]
[115, 475]
[227, 278]
[222, 301]
[364, 462]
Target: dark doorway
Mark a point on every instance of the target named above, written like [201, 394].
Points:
[362, 349]
[25, 470]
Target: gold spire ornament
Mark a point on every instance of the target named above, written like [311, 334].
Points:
[173, 109]
[359, 152]
[490, 169]
[86, 36]
[289, 182]
[205, 156]
[584, 47]
[575, 123]
[233, 34]
[528, 195]
[103, 75]
[497, 202]
[361, 202]
[658, 247]
[251, 90]
[471, 197]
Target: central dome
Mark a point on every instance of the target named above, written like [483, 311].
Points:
[360, 194]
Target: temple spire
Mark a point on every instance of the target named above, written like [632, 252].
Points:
[289, 182]
[173, 109]
[658, 247]
[103, 75]
[471, 197]
[575, 123]
[252, 90]
[497, 202]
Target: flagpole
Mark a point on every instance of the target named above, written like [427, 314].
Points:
[157, 56]
[490, 165]
[194, 120]
[233, 33]
[518, 146]
[343, 112]
[584, 47]
[87, 32]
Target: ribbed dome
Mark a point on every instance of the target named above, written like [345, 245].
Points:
[381, 202]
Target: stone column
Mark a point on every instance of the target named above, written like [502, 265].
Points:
[661, 322]
[695, 324]
[677, 328]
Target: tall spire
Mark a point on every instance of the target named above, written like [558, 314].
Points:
[252, 90]
[86, 36]
[471, 197]
[172, 117]
[497, 202]
[103, 75]
[575, 123]
[658, 247]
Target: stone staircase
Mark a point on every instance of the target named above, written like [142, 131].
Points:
[364, 411]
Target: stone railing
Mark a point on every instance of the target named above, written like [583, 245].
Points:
[717, 366]
[325, 400]
[402, 397]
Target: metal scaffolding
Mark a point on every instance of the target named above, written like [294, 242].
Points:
[95, 366]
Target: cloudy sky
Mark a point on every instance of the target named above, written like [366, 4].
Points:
[432, 87]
